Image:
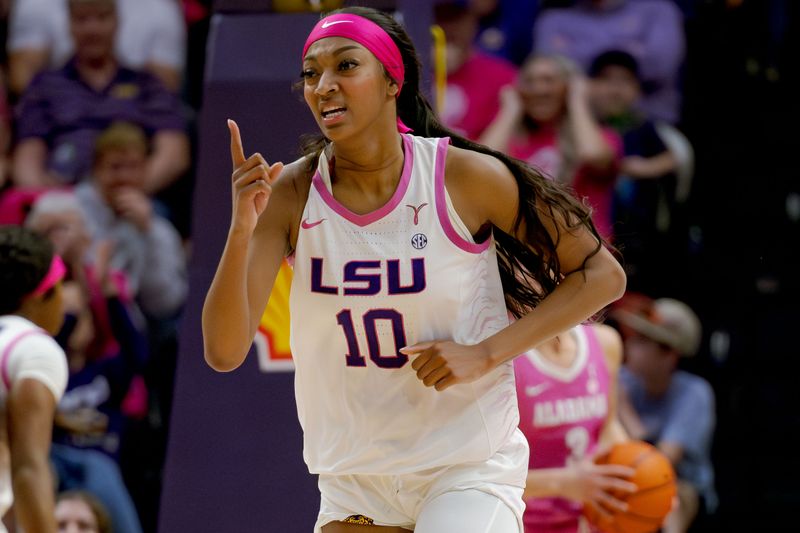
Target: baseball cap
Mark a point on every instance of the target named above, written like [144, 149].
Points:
[665, 320]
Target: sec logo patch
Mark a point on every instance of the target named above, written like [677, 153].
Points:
[419, 241]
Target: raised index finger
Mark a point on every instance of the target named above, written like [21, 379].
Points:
[237, 151]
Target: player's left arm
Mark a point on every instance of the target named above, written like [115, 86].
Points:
[611, 343]
[484, 191]
[592, 280]
[30, 410]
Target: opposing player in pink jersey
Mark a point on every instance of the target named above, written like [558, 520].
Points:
[404, 380]
[33, 375]
[567, 402]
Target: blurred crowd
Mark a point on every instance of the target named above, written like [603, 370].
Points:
[98, 100]
[96, 127]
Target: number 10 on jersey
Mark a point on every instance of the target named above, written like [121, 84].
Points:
[370, 319]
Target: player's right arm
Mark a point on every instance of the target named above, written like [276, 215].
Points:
[263, 210]
[613, 431]
[582, 481]
[31, 407]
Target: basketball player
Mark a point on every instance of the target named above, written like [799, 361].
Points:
[567, 401]
[34, 374]
[404, 380]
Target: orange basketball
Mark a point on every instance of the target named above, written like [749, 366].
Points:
[648, 506]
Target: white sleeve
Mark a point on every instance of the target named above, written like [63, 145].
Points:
[37, 356]
[168, 37]
[28, 26]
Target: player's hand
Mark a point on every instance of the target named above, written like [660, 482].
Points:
[252, 183]
[442, 364]
[599, 485]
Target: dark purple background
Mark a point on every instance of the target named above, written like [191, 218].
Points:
[234, 463]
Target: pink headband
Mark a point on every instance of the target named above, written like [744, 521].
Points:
[54, 275]
[369, 35]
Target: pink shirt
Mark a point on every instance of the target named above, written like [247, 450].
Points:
[562, 412]
[540, 149]
[472, 96]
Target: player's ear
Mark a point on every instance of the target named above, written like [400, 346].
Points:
[393, 88]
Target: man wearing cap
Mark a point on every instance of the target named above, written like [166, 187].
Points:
[668, 407]
[62, 111]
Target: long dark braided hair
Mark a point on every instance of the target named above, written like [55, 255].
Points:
[529, 269]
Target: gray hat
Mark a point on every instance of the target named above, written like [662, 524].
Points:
[669, 322]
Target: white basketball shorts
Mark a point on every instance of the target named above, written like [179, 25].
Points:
[483, 497]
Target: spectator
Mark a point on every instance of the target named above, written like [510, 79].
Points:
[96, 473]
[58, 216]
[62, 111]
[650, 30]
[505, 27]
[668, 407]
[645, 197]
[90, 415]
[546, 121]
[616, 93]
[147, 248]
[78, 511]
[474, 79]
[152, 37]
[5, 131]
[34, 374]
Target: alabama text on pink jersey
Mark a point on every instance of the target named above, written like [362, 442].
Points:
[562, 412]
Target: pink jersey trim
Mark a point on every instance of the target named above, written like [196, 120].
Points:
[7, 353]
[441, 204]
[388, 207]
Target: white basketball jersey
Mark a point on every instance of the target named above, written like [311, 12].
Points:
[26, 352]
[365, 286]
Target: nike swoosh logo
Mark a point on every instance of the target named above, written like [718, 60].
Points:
[308, 225]
[328, 23]
[535, 390]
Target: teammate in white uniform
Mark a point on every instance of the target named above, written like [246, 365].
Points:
[404, 382]
[33, 374]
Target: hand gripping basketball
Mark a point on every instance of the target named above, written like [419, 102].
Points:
[252, 181]
[653, 499]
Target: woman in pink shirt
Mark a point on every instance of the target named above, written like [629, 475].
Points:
[546, 121]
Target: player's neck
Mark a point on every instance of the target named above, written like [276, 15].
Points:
[368, 165]
[32, 312]
[561, 350]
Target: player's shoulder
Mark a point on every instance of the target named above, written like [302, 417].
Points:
[15, 325]
[480, 182]
[483, 176]
[287, 200]
[472, 164]
[611, 343]
[296, 176]
[290, 190]
[23, 342]
[22, 336]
